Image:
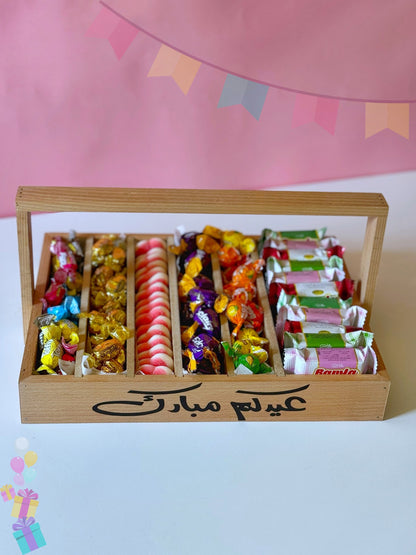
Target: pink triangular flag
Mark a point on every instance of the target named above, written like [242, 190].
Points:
[121, 37]
[104, 24]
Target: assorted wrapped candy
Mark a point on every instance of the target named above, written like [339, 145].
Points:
[107, 331]
[311, 301]
[202, 351]
[58, 325]
[240, 269]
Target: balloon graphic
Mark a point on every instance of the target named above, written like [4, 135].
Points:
[29, 474]
[21, 444]
[18, 479]
[17, 464]
[30, 458]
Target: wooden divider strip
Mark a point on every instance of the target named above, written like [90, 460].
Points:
[130, 308]
[225, 326]
[84, 306]
[174, 311]
[269, 330]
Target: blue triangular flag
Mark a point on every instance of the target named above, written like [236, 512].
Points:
[249, 94]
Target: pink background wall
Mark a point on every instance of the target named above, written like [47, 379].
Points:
[71, 113]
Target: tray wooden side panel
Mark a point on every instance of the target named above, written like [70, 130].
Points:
[196, 399]
[90, 199]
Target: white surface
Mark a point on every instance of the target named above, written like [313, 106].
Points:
[233, 488]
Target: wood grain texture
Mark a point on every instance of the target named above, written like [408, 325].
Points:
[24, 236]
[370, 259]
[199, 201]
[68, 399]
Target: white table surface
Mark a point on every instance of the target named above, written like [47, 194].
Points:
[235, 488]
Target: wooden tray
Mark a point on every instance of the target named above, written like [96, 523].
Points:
[129, 397]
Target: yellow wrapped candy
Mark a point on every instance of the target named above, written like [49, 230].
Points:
[111, 367]
[44, 368]
[220, 303]
[185, 285]
[68, 327]
[249, 335]
[51, 353]
[232, 238]
[206, 243]
[194, 267]
[214, 232]
[53, 331]
[107, 350]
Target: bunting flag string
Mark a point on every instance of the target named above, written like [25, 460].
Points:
[238, 90]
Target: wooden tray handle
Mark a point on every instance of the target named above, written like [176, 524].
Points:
[200, 201]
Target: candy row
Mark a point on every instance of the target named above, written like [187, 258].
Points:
[208, 347]
[153, 323]
[58, 323]
[318, 329]
[221, 313]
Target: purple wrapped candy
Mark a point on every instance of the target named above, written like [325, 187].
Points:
[202, 296]
[204, 354]
[186, 314]
[204, 257]
[208, 321]
[204, 282]
[190, 240]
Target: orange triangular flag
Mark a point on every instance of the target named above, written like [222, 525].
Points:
[170, 63]
[379, 116]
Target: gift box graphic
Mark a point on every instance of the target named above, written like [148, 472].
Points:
[28, 534]
[7, 492]
[25, 503]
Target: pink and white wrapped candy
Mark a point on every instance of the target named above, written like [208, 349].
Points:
[330, 361]
[312, 276]
[354, 316]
